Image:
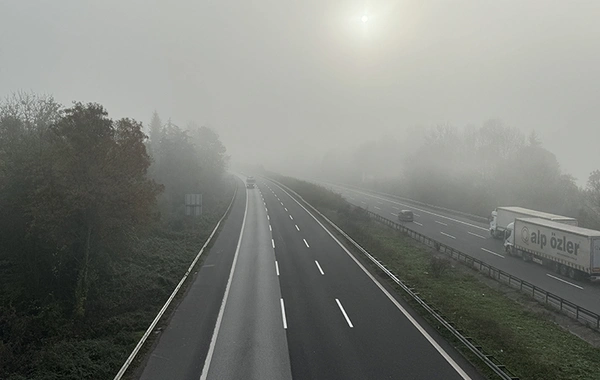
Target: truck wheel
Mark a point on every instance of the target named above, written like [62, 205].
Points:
[573, 274]
[563, 270]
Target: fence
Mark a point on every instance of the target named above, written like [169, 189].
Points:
[581, 314]
[489, 360]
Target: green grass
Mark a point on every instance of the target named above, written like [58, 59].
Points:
[527, 342]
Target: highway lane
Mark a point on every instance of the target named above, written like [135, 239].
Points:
[473, 238]
[340, 323]
[249, 341]
[180, 351]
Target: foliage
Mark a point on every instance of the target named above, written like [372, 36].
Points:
[85, 258]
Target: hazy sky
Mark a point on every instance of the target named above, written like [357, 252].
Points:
[282, 81]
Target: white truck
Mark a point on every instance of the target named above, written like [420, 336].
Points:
[569, 250]
[502, 216]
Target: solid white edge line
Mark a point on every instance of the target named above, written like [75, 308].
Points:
[418, 224]
[429, 338]
[566, 282]
[442, 223]
[479, 236]
[419, 209]
[445, 234]
[305, 242]
[283, 314]
[213, 341]
[492, 252]
[141, 342]
[320, 269]
[344, 312]
[277, 268]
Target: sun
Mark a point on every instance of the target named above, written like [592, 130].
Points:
[364, 19]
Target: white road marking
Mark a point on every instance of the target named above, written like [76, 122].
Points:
[281, 203]
[421, 210]
[276, 268]
[285, 208]
[396, 215]
[305, 242]
[445, 234]
[376, 208]
[438, 222]
[283, 314]
[492, 252]
[213, 341]
[344, 312]
[291, 217]
[418, 224]
[318, 266]
[479, 236]
[268, 217]
[566, 282]
[270, 229]
[273, 243]
[413, 321]
[298, 228]
[417, 215]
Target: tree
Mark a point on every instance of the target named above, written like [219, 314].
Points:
[95, 194]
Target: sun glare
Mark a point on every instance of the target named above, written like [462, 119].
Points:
[364, 18]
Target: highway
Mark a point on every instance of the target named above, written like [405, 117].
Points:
[284, 299]
[473, 238]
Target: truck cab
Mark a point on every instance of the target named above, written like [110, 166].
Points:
[509, 238]
[250, 182]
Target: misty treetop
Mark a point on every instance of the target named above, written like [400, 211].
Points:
[77, 188]
[473, 169]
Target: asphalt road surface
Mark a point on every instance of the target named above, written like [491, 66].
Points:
[283, 299]
[473, 238]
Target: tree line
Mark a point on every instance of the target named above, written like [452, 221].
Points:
[471, 169]
[79, 189]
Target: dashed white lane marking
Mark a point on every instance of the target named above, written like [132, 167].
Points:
[417, 215]
[396, 215]
[445, 234]
[376, 208]
[306, 243]
[479, 236]
[566, 282]
[418, 224]
[438, 222]
[273, 243]
[492, 252]
[344, 312]
[298, 228]
[320, 269]
[285, 208]
[276, 268]
[270, 228]
[268, 217]
[283, 314]
[291, 217]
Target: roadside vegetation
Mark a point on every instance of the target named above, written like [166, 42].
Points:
[93, 231]
[472, 169]
[528, 342]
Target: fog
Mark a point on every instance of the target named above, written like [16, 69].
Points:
[285, 83]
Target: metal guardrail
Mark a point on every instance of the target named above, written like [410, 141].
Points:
[492, 363]
[160, 314]
[581, 314]
[408, 200]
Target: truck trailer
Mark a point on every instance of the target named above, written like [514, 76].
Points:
[503, 216]
[569, 250]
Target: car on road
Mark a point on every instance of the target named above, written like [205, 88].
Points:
[405, 216]
[250, 182]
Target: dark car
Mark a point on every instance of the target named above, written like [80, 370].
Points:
[405, 216]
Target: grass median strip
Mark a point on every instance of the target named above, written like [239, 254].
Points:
[528, 342]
